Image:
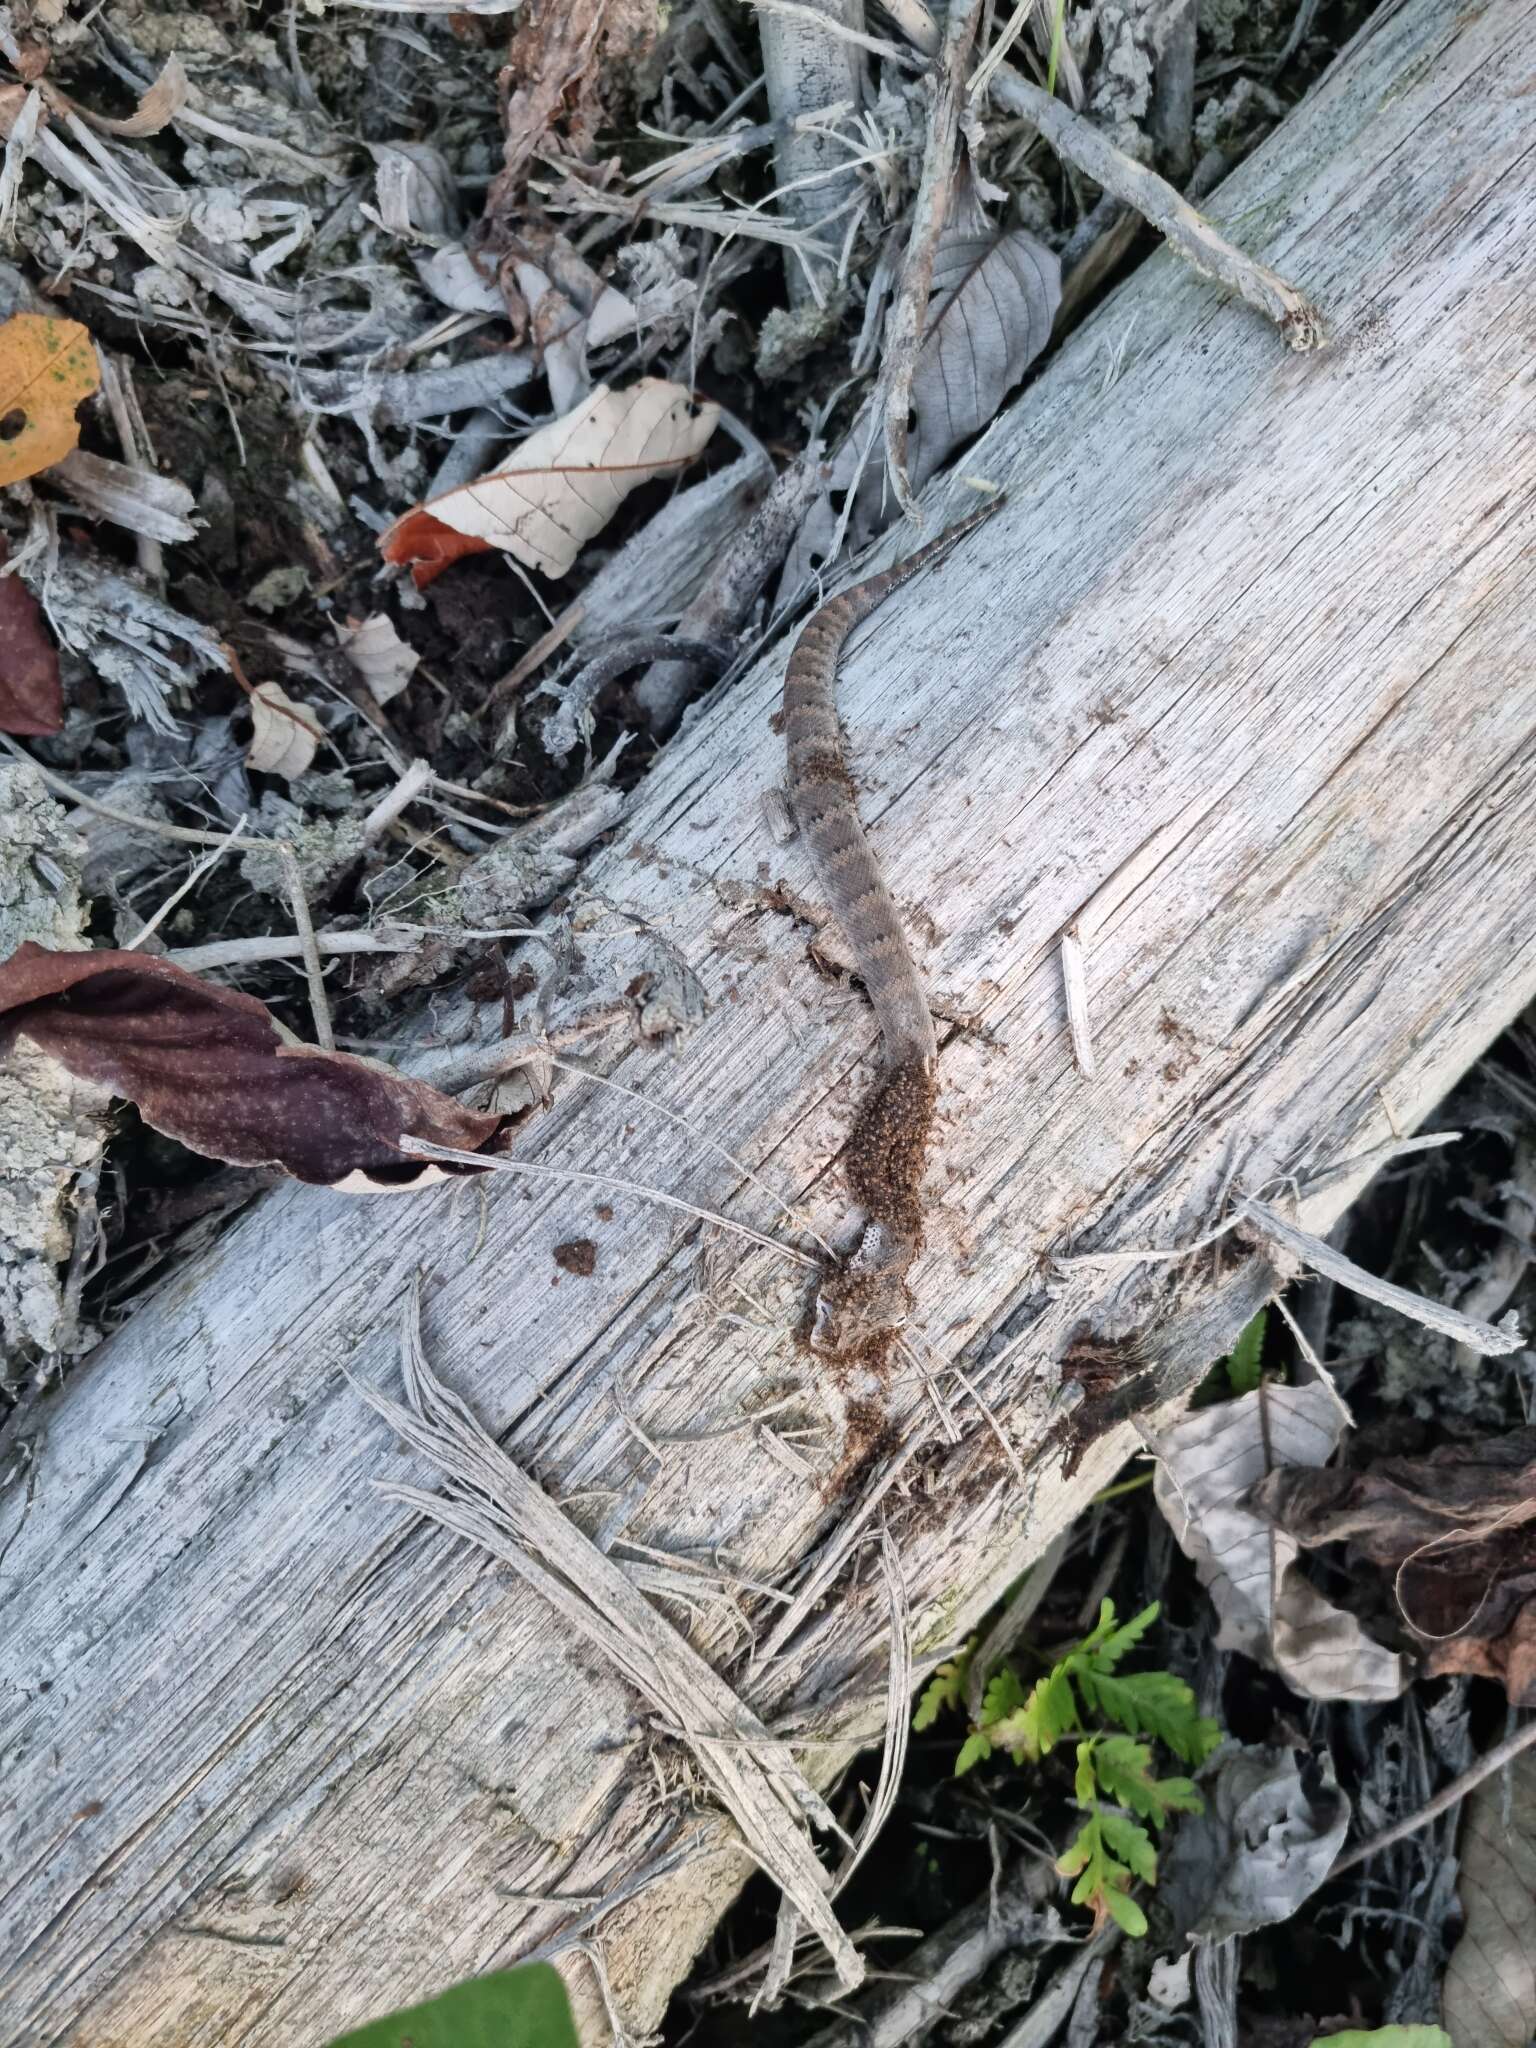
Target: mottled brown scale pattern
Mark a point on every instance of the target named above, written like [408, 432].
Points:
[866, 1300]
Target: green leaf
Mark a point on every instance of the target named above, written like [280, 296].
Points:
[1080, 1851]
[1387, 2037]
[1132, 1844]
[1124, 1769]
[1046, 1716]
[1125, 1912]
[522, 2008]
[1086, 1789]
[1004, 1695]
[1100, 1629]
[946, 1688]
[1112, 1647]
[1055, 57]
[1101, 1880]
[1244, 1359]
[1154, 1703]
[974, 1750]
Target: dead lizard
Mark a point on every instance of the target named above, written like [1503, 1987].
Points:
[862, 1302]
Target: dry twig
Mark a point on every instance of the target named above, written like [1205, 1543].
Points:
[909, 310]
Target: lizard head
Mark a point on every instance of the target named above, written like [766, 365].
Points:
[864, 1302]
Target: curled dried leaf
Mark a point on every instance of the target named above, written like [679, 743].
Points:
[213, 1069]
[157, 108]
[993, 301]
[1269, 1609]
[47, 367]
[283, 737]
[1454, 1535]
[562, 485]
[383, 660]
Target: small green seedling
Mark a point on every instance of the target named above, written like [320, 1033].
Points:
[1387, 2037]
[525, 2007]
[1245, 1360]
[1115, 1784]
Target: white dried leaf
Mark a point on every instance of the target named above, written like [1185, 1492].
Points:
[994, 299]
[1272, 1827]
[1490, 1982]
[566, 481]
[416, 190]
[450, 276]
[383, 660]
[283, 737]
[1269, 1610]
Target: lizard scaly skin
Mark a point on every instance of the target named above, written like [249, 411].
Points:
[863, 1302]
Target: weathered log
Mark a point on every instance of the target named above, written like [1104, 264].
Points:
[276, 1754]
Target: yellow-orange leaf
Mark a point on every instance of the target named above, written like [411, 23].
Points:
[46, 367]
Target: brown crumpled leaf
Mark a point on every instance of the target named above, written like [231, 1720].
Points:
[31, 692]
[211, 1067]
[562, 484]
[1489, 1996]
[567, 58]
[1455, 1532]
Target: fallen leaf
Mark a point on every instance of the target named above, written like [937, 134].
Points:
[416, 190]
[1206, 1465]
[157, 108]
[47, 367]
[1270, 1833]
[993, 301]
[566, 59]
[563, 485]
[1489, 1996]
[525, 2005]
[383, 660]
[213, 1069]
[283, 740]
[31, 693]
[1454, 1533]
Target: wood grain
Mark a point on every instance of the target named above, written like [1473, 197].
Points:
[276, 1757]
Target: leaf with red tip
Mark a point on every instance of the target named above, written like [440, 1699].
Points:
[562, 484]
[427, 545]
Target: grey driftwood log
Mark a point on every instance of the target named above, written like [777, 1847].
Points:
[277, 1754]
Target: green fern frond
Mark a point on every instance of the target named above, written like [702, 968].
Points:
[1124, 1770]
[945, 1689]
[1004, 1696]
[1049, 1713]
[1112, 1646]
[1103, 1881]
[1153, 1703]
[1132, 1844]
[974, 1750]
